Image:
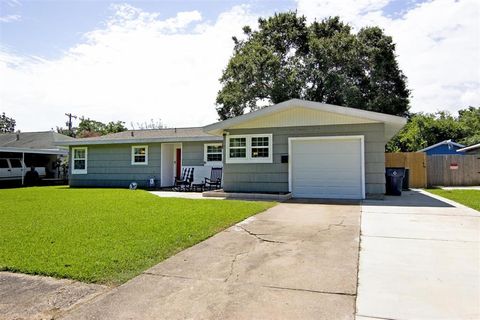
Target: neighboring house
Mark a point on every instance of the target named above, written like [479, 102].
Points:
[39, 149]
[311, 149]
[444, 147]
[473, 149]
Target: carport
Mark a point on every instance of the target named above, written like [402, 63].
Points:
[38, 149]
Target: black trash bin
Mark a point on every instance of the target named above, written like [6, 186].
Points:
[394, 179]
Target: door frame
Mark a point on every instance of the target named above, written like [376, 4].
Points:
[361, 138]
[174, 146]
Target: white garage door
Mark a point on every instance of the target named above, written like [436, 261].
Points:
[326, 167]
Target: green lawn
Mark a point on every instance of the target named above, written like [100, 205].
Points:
[104, 235]
[469, 198]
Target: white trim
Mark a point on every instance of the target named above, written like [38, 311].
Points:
[248, 149]
[205, 155]
[442, 143]
[37, 151]
[174, 146]
[472, 147]
[80, 171]
[362, 151]
[95, 141]
[133, 156]
[217, 128]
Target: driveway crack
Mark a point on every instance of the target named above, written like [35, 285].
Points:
[258, 235]
[232, 265]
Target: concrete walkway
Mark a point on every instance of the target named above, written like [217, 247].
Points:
[184, 195]
[294, 261]
[419, 259]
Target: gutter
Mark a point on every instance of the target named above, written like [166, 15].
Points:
[81, 142]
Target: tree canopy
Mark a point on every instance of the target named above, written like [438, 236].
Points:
[426, 129]
[92, 128]
[323, 61]
[7, 124]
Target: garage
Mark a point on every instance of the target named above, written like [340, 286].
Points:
[327, 167]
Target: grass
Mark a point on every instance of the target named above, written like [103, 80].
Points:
[104, 235]
[469, 198]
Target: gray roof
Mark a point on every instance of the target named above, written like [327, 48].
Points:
[44, 140]
[470, 148]
[149, 135]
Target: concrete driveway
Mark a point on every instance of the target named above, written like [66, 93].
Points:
[419, 259]
[292, 261]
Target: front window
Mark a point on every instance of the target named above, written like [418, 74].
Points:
[260, 146]
[79, 160]
[238, 147]
[249, 149]
[213, 152]
[140, 155]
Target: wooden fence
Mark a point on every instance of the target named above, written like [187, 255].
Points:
[453, 170]
[416, 162]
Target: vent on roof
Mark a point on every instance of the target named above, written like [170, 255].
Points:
[131, 133]
[18, 135]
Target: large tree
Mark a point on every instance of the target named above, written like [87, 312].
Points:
[92, 128]
[322, 61]
[426, 129]
[7, 124]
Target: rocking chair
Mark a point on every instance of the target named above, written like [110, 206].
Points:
[215, 180]
[184, 183]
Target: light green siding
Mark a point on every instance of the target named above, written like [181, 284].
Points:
[273, 177]
[192, 153]
[110, 165]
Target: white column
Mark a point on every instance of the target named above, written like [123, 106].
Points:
[23, 168]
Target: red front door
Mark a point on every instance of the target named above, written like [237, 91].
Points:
[178, 169]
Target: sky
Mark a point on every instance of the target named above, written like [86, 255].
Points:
[140, 60]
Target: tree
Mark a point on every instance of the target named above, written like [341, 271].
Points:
[6, 124]
[470, 119]
[92, 128]
[158, 124]
[425, 129]
[324, 61]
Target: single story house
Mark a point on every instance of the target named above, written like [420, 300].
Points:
[38, 149]
[473, 149]
[311, 149]
[444, 147]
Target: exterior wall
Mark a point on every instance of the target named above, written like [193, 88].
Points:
[273, 177]
[299, 117]
[110, 165]
[443, 149]
[192, 153]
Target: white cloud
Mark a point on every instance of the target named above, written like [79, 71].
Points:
[10, 18]
[140, 66]
[438, 45]
[136, 68]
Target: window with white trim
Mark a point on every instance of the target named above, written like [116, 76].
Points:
[254, 148]
[213, 152]
[139, 155]
[79, 160]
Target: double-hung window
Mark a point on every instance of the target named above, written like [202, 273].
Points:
[249, 148]
[213, 153]
[139, 155]
[79, 160]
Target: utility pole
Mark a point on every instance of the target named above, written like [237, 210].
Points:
[69, 122]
